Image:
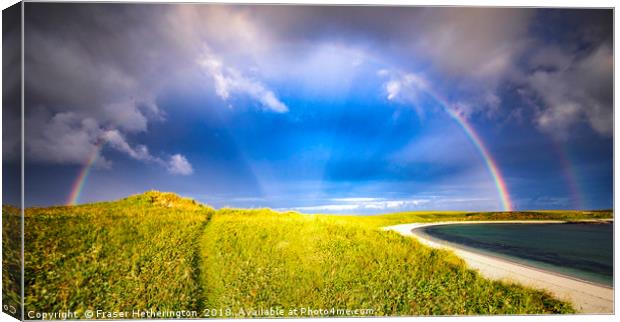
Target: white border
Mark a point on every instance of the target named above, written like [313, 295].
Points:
[495, 3]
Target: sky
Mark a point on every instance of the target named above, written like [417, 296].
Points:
[319, 109]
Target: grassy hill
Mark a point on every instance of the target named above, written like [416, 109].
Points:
[163, 252]
[139, 252]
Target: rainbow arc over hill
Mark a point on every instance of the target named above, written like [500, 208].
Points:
[78, 185]
[491, 164]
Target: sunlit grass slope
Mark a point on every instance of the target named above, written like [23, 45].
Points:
[262, 259]
[140, 252]
[163, 252]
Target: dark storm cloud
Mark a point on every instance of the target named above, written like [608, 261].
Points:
[11, 81]
[92, 74]
[81, 55]
[11, 106]
[570, 70]
[95, 69]
[471, 53]
[456, 40]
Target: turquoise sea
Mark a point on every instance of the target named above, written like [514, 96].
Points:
[580, 250]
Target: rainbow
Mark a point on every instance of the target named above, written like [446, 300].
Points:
[78, 185]
[499, 181]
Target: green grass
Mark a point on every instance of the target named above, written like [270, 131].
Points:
[262, 259]
[140, 252]
[162, 252]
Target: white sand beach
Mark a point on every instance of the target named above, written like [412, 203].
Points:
[585, 296]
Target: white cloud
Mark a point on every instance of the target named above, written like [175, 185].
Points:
[116, 140]
[355, 199]
[364, 204]
[393, 89]
[178, 164]
[406, 87]
[67, 138]
[229, 81]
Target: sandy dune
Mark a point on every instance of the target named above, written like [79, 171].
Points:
[585, 297]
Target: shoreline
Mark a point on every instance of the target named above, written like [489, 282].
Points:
[420, 232]
[586, 296]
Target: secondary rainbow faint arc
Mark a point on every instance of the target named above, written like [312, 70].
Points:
[570, 174]
[78, 185]
[499, 181]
